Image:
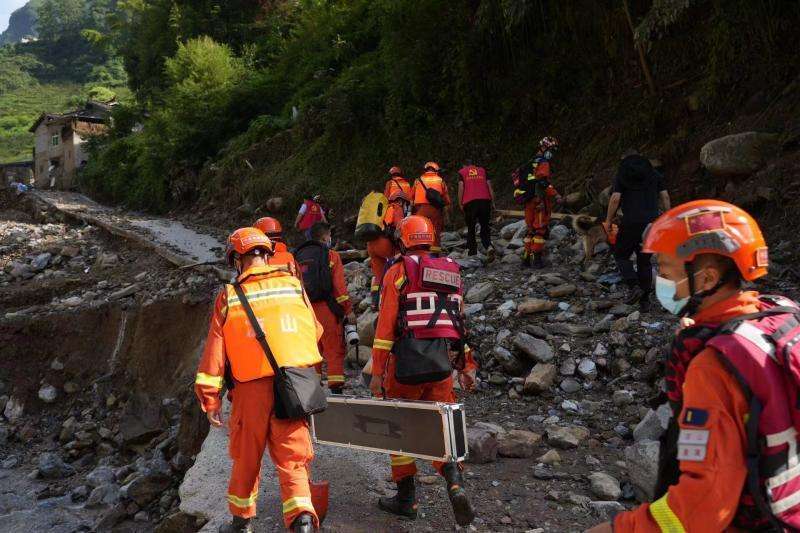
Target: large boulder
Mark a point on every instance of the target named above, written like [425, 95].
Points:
[739, 154]
[642, 461]
[535, 349]
[654, 423]
[366, 327]
[479, 292]
[540, 379]
[566, 437]
[510, 363]
[605, 486]
[141, 420]
[482, 444]
[518, 443]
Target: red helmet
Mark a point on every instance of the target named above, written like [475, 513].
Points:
[710, 227]
[270, 226]
[548, 143]
[432, 165]
[416, 230]
[395, 171]
[245, 240]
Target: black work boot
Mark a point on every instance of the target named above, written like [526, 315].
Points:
[304, 523]
[635, 294]
[404, 503]
[237, 525]
[538, 260]
[462, 509]
[526, 259]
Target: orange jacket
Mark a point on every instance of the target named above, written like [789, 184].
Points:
[282, 256]
[397, 183]
[340, 293]
[394, 214]
[432, 181]
[708, 491]
[386, 330]
[211, 369]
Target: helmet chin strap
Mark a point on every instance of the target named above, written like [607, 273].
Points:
[697, 298]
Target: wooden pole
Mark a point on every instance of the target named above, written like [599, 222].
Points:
[640, 48]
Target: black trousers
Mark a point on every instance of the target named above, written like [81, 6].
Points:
[629, 241]
[478, 211]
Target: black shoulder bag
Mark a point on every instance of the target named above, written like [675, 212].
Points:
[298, 393]
[433, 196]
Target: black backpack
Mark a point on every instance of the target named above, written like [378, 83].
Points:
[314, 262]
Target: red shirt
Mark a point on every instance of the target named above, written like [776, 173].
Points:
[476, 184]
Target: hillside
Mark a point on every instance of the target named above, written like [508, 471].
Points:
[56, 73]
[22, 24]
[283, 98]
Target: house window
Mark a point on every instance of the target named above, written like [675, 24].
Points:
[54, 140]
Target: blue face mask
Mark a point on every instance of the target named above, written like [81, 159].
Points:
[665, 292]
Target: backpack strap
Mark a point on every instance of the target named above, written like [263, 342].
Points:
[260, 337]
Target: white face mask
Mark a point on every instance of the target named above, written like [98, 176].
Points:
[666, 289]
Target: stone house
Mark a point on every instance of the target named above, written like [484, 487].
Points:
[59, 150]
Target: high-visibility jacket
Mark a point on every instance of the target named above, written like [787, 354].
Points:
[432, 181]
[475, 183]
[283, 257]
[340, 294]
[397, 184]
[285, 315]
[712, 443]
[312, 215]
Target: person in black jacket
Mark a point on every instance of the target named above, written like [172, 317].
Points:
[639, 190]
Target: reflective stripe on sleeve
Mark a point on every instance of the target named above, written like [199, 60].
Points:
[342, 298]
[665, 517]
[400, 281]
[401, 460]
[209, 380]
[380, 344]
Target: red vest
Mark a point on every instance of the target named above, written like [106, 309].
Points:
[312, 215]
[763, 353]
[476, 186]
[431, 299]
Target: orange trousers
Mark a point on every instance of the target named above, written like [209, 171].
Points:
[537, 220]
[331, 344]
[254, 427]
[380, 250]
[436, 216]
[438, 391]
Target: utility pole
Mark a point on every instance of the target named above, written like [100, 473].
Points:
[640, 48]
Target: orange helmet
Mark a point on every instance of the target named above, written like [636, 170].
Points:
[432, 165]
[416, 230]
[710, 227]
[395, 171]
[270, 226]
[245, 240]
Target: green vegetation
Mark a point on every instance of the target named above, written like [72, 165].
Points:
[57, 73]
[249, 99]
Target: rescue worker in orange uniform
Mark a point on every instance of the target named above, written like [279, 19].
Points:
[271, 227]
[430, 189]
[384, 248]
[541, 198]
[327, 290]
[253, 426]
[714, 474]
[416, 240]
[397, 184]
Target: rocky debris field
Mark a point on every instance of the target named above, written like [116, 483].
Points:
[49, 265]
[563, 428]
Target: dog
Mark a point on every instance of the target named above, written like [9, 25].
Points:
[593, 232]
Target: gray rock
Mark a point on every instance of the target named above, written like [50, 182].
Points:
[517, 443]
[141, 420]
[366, 327]
[482, 446]
[511, 259]
[622, 397]
[558, 233]
[654, 423]
[587, 368]
[605, 486]
[566, 437]
[145, 488]
[570, 385]
[41, 261]
[509, 362]
[567, 367]
[576, 330]
[101, 475]
[641, 458]
[508, 231]
[740, 154]
[130, 290]
[494, 429]
[536, 349]
[606, 510]
[479, 292]
[551, 457]
[472, 309]
[106, 260]
[105, 494]
[540, 379]
[48, 393]
[50, 466]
